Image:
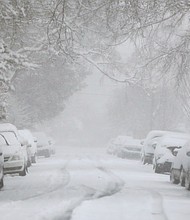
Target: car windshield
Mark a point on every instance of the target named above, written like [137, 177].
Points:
[2, 141]
[10, 138]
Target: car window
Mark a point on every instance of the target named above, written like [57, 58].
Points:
[2, 141]
[10, 138]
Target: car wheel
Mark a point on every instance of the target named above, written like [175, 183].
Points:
[144, 160]
[182, 178]
[47, 154]
[157, 169]
[172, 178]
[153, 166]
[1, 183]
[29, 163]
[23, 172]
[34, 159]
[187, 182]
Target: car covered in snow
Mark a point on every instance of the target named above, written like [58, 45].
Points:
[31, 146]
[115, 144]
[1, 162]
[43, 146]
[15, 160]
[51, 145]
[165, 151]
[125, 147]
[180, 170]
[147, 153]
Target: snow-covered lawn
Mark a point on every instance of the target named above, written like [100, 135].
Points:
[88, 184]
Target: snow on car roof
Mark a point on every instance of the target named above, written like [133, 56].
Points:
[173, 141]
[159, 133]
[6, 127]
[26, 135]
[153, 135]
[128, 140]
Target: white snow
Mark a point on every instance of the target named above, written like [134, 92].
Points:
[88, 184]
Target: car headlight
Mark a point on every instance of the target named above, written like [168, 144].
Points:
[16, 157]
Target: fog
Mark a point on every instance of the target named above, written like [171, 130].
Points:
[94, 110]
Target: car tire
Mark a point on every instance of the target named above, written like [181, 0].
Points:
[172, 178]
[23, 172]
[1, 183]
[157, 169]
[29, 163]
[182, 179]
[187, 182]
[144, 160]
[34, 159]
[47, 154]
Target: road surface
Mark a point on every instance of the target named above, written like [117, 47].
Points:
[87, 184]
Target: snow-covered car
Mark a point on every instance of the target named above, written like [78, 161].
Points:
[15, 160]
[31, 146]
[131, 149]
[111, 147]
[116, 144]
[43, 146]
[165, 151]
[51, 145]
[147, 153]
[125, 147]
[180, 170]
[1, 162]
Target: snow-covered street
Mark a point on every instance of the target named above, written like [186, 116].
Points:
[88, 184]
[94, 110]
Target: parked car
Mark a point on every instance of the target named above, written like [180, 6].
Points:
[31, 145]
[131, 149]
[1, 162]
[115, 144]
[52, 145]
[165, 151]
[125, 147]
[147, 153]
[15, 160]
[180, 170]
[43, 146]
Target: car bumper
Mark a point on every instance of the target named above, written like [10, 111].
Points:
[1, 173]
[13, 166]
[42, 152]
[149, 158]
[165, 167]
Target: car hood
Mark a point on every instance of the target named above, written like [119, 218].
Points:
[10, 150]
[167, 157]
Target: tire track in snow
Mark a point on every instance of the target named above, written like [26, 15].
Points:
[158, 211]
[157, 208]
[66, 178]
[112, 187]
[61, 185]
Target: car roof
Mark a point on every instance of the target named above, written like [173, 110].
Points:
[7, 127]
